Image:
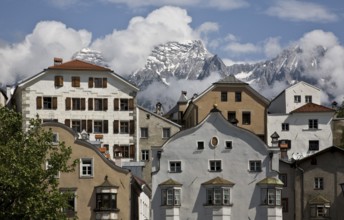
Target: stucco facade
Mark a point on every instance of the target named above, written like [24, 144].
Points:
[236, 100]
[150, 133]
[87, 98]
[302, 124]
[215, 170]
[88, 187]
[318, 194]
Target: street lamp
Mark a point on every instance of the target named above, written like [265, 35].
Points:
[342, 186]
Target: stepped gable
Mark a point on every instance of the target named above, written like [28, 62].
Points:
[78, 65]
[312, 107]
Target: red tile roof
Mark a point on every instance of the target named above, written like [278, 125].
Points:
[78, 65]
[311, 107]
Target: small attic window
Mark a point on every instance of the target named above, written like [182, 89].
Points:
[200, 145]
[229, 144]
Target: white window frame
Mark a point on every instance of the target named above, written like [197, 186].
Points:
[308, 99]
[82, 165]
[218, 196]
[166, 134]
[173, 166]
[253, 166]
[145, 155]
[215, 167]
[297, 98]
[72, 191]
[318, 183]
[313, 124]
[171, 196]
[285, 126]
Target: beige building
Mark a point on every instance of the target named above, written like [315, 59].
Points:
[102, 189]
[153, 130]
[238, 102]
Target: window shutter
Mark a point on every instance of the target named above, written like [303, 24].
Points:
[106, 126]
[115, 126]
[89, 126]
[90, 82]
[104, 82]
[76, 81]
[131, 104]
[54, 102]
[39, 102]
[131, 126]
[83, 105]
[116, 104]
[132, 151]
[68, 103]
[105, 104]
[58, 81]
[83, 125]
[67, 122]
[90, 104]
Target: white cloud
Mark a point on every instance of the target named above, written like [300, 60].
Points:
[49, 39]
[127, 50]
[241, 48]
[301, 11]
[272, 47]
[228, 4]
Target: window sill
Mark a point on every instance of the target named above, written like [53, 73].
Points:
[86, 177]
[220, 205]
[254, 171]
[171, 206]
[311, 129]
[107, 210]
[215, 171]
[174, 171]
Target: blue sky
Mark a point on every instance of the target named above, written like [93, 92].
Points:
[125, 31]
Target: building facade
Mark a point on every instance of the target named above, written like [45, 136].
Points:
[101, 189]
[92, 100]
[238, 102]
[302, 125]
[215, 170]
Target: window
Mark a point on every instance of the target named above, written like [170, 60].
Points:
[100, 126]
[145, 155]
[144, 132]
[55, 138]
[313, 145]
[58, 81]
[76, 125]
[218, 196]
[237, 96]
[255, 166]
[175, 166]
[200, 145]
[320, 210]
[229, 145]
[308, 99]
[297, 98]
[106, 201]
[246, 118]
[123, 151]
[86, 167]
[166, 132]
[75, 81]
[100, 104]
[76, 103]
[318, 183]
[284, 178]
[70, 210]
[124, 104]
[285, 126]
[170, 196]
[215, 165]
[97, 82]
[224, 97]
[46, 102]
[124, 127]
[231, 116]
[271, 196]
[313, 124]
[285, 207]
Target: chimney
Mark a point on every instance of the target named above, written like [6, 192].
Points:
[57, 61]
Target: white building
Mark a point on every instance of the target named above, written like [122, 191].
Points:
[215, 170]
[93, 100]
[301, 125]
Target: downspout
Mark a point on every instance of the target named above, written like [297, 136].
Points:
[302, 190]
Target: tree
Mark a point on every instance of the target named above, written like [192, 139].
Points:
[29, 188]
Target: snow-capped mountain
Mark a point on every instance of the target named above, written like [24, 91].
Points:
[90, 56]
[188, 60]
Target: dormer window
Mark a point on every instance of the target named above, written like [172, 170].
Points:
[308, 99]
[218, 192]
[106, 200]
[171, 193]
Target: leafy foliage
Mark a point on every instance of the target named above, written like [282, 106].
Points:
[29, 188]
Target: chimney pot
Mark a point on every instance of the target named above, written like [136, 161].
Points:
[57, 61]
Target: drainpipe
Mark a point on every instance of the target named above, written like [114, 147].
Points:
[302, 190]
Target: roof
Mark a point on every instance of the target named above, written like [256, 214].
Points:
[218, 181]
[231, 79]
[271, 181]
[159, 116]
[318, 199]
[170, 182]
[78, 65]
[312, 107]
[331, 149]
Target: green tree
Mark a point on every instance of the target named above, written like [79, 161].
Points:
[29, 188]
